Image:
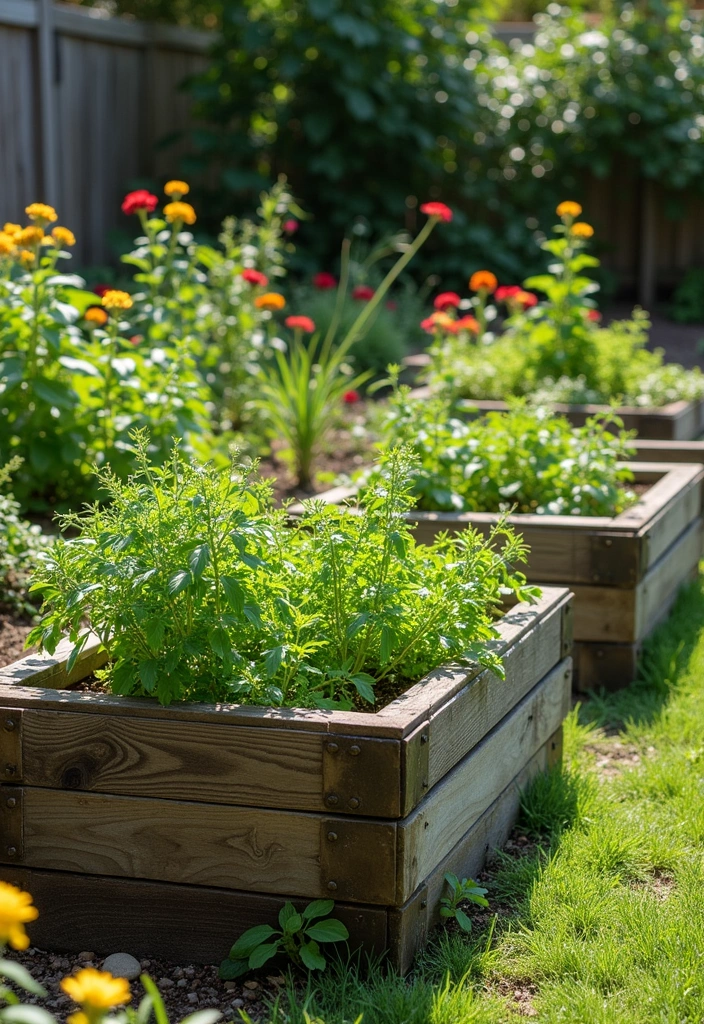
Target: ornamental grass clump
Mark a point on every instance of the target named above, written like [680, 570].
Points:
[525, 460]
[199, 590]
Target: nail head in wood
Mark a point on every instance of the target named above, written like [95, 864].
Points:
[333, 748]
[354, 803]
[9, 725]
[11, 802]
[12, 851]
[332, 837]
[354, 750]
[332, 800]
[332, 886]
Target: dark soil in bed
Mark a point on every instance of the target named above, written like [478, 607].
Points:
[13, 633]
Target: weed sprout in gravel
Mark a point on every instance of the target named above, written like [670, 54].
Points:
[200, 590]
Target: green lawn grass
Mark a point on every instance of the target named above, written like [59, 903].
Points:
[600, 919]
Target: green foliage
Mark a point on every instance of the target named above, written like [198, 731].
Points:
[198, 590]
[688, 299]
[465, 891]
[556, 351]
[20, 545]
[525, 459]
[298, 937]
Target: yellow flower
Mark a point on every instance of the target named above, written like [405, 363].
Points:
[63, 236]
[270, 300]
[582, 230]
[77, 1018]
[27, 258]
[115, 299]
[569, 209]
[12, 229]
[180, 212]
[483, 281]
[176, 189]
[15, 911]
[33, 235]
[7, 244]
[41, 212]
[95, 315]
[96, 990]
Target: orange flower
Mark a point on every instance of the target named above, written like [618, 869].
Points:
[7, 244]
[115, 299]
[582, 230]
[176, 189]
[33, 235]
[95, 315]
[438, 321]
[270, 300]
[465, 323]
[183, 212]
[41, 212]
[11, 229]
[569, 209]
[62, 236]
[27, 258]
[483, 281]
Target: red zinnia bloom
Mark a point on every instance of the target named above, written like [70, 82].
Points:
[526, 299]
[507, 291]
[437, 321]
[594, 315]
[139, 200]
[290, 226]
[447, 300]
[301, 323]
[363, 292]
[255, 277]
[350, 397]
[324, 280]
[100, 289]
[437, 210]
[465, 323]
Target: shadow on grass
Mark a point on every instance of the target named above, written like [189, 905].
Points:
[664, 659]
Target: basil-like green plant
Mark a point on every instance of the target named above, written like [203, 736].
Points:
[298, 937]
[199, 590]
[465, 891]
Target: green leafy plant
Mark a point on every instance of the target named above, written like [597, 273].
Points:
[20, 546]
[688, 299]
[465, 891]
[199, 590]
[526, 459]
[298, 937]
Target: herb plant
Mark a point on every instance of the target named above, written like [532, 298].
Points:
[526, 459]
[199, 590]
[460, 892]
[299, 937]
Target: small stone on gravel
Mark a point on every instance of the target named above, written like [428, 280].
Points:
[251, 984]
[237, 1003]
[181, 983]
[165, 983]
[192, 997]
[83, 957]
[122, 965]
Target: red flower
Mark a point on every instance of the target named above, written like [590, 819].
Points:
[301, 323]
[100, 289]
[437, 210]
[139, 200]
[324, 281]
[136, 339]
[447, 300]
[350, 397]
[438, 321]
[526, 299]
[507, 291]
[290, 226]
[465, 323]
[255, 277]
[363, 292]
[594, 315]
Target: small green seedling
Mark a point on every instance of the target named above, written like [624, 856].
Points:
[466, 890]
[299, 937]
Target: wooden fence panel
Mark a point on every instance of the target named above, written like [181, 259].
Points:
[19, 137]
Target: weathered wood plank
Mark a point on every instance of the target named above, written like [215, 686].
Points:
[604, 666]
[457, 803]
[186, 924]
[198, 844]
[657, 591]
[669, 451]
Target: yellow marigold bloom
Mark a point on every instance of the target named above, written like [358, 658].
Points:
[176, 189]
[270, 300]
[569, 209]
[33, 235]
[180, 211]
[483, 281]
[95, 315]
[63, 236]
[27, 258]
[582, 230]
[7, 244]
[96, 990]
[41, 212]
[115, 299]
[77, 1018]
[16, 911]
[12, 229]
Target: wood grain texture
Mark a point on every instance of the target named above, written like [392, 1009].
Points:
[427, 835]
[656, 593]
[669, 451]
[604, 666]
[181, 923]
[201, 844]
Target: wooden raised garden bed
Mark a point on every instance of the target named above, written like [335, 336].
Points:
[170, 830]
[625, 571]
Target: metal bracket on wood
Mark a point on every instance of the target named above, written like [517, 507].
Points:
[10, 745]
[11, 830]
[357, 859]
[361, 775]
[567, 629]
